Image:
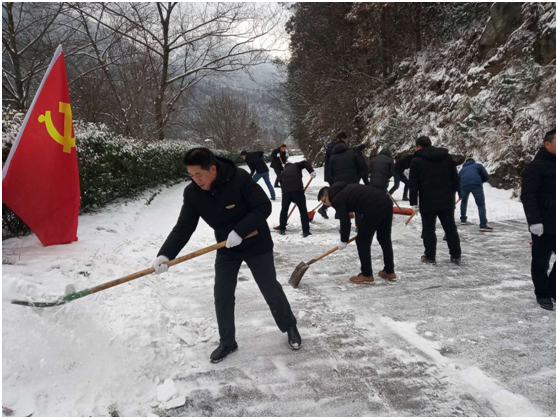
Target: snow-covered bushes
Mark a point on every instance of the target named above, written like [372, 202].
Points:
[110, 166]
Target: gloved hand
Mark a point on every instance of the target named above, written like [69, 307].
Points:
[342, 245]
[313, 175]
[159, 264]
[233, 240]
[416, 209]
[537, 229]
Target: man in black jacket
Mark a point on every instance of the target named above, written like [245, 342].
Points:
[233, 205]
[434, 178]
[538, 194]
[257, 165]
[382, 169]
[293, 191]
[377, 210]
[278, 161]
[327, 174]
[348, 165]
[399, 177]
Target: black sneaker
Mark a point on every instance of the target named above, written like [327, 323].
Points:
[282, 232]
[295, 341]
[424, 259]
[323, 212]
[221, 352]
[546, 303]
[306, 234]
[486, 229]
[273, 199]
[463, 223]
[445, 238]
[456, 261]
[405, 198]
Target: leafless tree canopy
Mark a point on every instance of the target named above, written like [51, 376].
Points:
[133, 65]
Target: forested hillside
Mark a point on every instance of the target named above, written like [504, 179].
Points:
[479, 79]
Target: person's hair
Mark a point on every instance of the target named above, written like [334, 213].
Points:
[243, 153]
[423, 142]
[201, 156]
[341, 136]
[283, 145]
[549, 136]
[323, 192]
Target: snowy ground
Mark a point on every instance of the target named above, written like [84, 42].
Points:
[443, 341]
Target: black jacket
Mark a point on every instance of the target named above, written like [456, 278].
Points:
[291, 177]
[276, 156]
[235, 202]
[404, 163]
[256, 162]
[357, 198]
[328, 154]
[434, 177]
[382, 169]
[347, 165]
[538, 191]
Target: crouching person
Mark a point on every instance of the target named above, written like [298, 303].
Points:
[377, 210]
[234, 205]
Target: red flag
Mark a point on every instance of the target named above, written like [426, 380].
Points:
[40, 179]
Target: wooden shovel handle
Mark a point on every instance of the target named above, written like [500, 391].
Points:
[319, 205]
[329, 252]
[395, 202]
[173, 262]
[410, 218]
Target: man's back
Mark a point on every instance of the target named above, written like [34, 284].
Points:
[382, 169]
[343, 164]
[256, 163]
[433, 176]
[473, 173]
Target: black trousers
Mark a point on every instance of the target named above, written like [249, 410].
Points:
[367, 227]
[263, 270]
[543, 247]
[429, 232]
[278, 171]
[397, 179]
[299, 200]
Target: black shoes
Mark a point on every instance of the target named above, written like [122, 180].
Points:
[456, 261]
[273, 199]
[306, 234]
[545, 303]
[222, 352]
[424, 259]
[405, 198]
[323, 212]
[282, 232]
[295, 341]
[486, 229]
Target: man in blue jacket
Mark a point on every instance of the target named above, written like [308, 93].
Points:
[471, 178]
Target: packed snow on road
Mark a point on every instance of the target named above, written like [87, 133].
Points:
[443, 340]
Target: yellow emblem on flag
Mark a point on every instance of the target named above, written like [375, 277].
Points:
[65, 140]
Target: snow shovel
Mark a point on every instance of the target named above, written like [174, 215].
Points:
[398, 230]
[124, 279]
[291, 213]
[302, 267]
[312, 213]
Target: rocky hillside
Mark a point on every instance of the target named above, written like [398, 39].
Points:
[491, 94]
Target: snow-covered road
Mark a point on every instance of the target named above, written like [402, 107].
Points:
[443, 340]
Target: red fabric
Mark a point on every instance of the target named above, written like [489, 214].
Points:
[41, 182]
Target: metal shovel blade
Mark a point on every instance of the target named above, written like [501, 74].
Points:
[298, 273]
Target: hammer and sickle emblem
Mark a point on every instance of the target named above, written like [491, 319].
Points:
[65, 140]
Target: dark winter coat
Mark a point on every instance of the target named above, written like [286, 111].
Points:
[538, 191]
[276, 157]
[291, 177]
[434, 177]
[328, 154]
[472, 174]
[347, 165]
[361, 163]
[362, 199]
[403, 163]
[235, 202]
[382, 169]
[256, 162]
